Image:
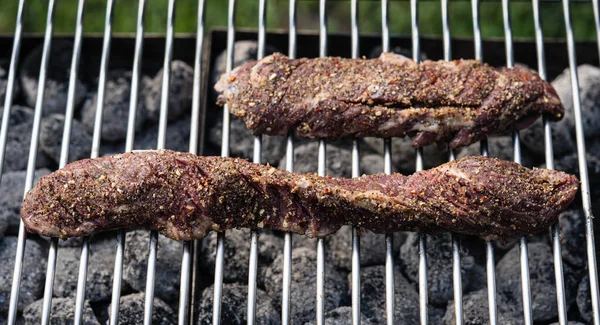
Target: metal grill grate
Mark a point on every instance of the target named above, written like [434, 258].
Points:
[189, 258]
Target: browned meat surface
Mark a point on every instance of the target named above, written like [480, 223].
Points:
[460, 101]
[186, 196]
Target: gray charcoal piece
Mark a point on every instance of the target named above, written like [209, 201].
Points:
[372, 247]
[131, 311]
[589, 94]
[61, 313]
[99, 274]
[572, 232]
[116, 106]
[18, 140]
[243, 51]
[342, 316]
[177, 137]
[500, 147]
[543, 288]
[476, 310]
[4, 66]
[12, 187]
[237, 253]
[33, 275]
[57, 82]
[168, 264]
[562, 141]
[372, 296]
[403, 154]
[439, 261]
[304, 276]
[241, 143]
[569, 323]
[584, 300]
[234, 306]
[180, 92]
[51, 132]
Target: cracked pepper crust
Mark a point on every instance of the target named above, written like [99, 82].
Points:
[460, 102]
[184, 197]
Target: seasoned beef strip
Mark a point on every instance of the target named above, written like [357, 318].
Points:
[184, 197]
[460, 101]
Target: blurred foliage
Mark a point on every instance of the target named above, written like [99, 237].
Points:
[125, 13]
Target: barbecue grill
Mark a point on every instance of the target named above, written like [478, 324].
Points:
[187, 294]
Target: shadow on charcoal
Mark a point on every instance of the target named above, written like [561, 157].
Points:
[303, 301]
[57, 82]
[234, 306]
[404, 154]
[4, 67]
[584, 300]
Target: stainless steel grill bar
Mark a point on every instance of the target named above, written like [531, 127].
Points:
[556, 245]
[423, 294]
[355, 173]
[289, 166]
[161, 143]
[597, 20]
[188, 260]
[130, 137]
[219, 257]
[12, 70]
[523, 251]
[456, 269]
[583, 174]
[387, 168]
[253, 263]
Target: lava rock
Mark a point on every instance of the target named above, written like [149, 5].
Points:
[57, 82]
[168, 264]
[589, 94]
[241, 143]
[11, 187]
[543, 288]
[533, 138]
[62, 312]
[4, 67]
[476, 310]
[99, 276]
[234, 304]
[500, 147]
[237, 253]
[372, 247]
[572, 230]
[342, 316]
[131, 311]
[584, 300]
[33, 276]
[372, 296]
[243, 51]
[180, 92]
[116, 106]
[404, 155]
[439, 259]
[178, 136]
[19, 139]
[51, 131]
[304, 280]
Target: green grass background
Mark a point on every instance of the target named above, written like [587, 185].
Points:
[307, 10]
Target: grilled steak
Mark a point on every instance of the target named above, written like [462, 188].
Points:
[185, 196]
[460, 101]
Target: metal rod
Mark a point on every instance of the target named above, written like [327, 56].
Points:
[286, 315]
[583, 173]
[355, 173]
[129, 139]
[219, 258]
[184, 283]
[81, 280]
[50, 272]
[194, 138]
[597, 21]
[556, 245]
[523, 251]
[476, 30]
[161, 143]
[387, 168]
[253, 262]
[12, 71]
